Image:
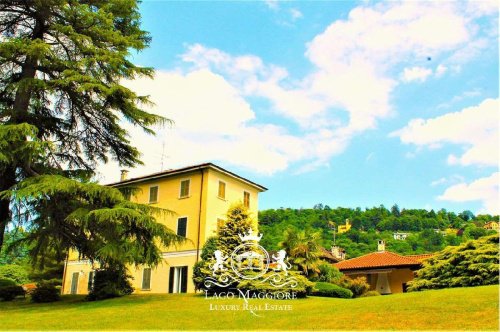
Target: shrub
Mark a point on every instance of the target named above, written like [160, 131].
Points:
[358, 286]
[328, 273]
[109, 283]
[473, 263]
[331, 290]
[303, 288]
[5, 282]
[45, 292]
[8, 293]
[370, 293]
[17, 273]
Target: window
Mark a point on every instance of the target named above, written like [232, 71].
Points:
[90, 285]
[74, 283]
[184, 192]
[146, 278]
[177, 282]
[182, 226]
[246, 199]
[153, 194]
[222, 190]
[220, 224]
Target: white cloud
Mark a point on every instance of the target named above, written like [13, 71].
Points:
[356, 58]
[484, 189]
[355, 68]
[416, 74]
[441, 70]
[295, 13]
[475, 128]
[213, 122]
[272, 4]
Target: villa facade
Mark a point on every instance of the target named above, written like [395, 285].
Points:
[200, 196]
[385, 271]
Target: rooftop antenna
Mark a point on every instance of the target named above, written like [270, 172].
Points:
[332, 226]
[162, 155]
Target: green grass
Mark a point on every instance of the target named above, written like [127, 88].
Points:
[449, 309]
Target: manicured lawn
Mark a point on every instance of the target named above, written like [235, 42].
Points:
[450, 309]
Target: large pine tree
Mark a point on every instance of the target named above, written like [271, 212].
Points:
[61, 108]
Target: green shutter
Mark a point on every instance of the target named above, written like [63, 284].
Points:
[184, 272]
[90, 285]
[146, 278]
[153, 194]
[182, 226]
[171, 280]
[74, 283]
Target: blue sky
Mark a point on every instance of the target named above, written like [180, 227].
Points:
[335, 102]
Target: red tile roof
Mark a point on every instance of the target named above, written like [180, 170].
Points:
[378, 260]
[421, 257]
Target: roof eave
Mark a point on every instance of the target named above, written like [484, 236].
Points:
[160, 175]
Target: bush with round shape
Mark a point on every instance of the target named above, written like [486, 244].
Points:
[110, 283]
[9, 293]
[5, 282]
[358, 286]
[45, 292]
[326, 289]
[303, 288]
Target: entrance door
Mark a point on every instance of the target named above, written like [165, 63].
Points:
[74, 283]
[383, 284]
[177, 282]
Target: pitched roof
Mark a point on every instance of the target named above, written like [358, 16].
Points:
[325, 253]
[421, 257]
[378, 260]
[187, 169]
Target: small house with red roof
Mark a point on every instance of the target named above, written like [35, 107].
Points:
[385, 271]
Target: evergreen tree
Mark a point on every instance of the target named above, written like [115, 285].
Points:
[61, 107]
[238, 221]
[473, 263]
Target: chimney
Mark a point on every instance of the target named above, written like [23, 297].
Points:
[381, 246]
[123, 175]
[338, 252]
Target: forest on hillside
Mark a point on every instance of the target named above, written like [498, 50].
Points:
[429, 231]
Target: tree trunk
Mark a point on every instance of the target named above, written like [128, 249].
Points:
[7, 180]
[20, 114]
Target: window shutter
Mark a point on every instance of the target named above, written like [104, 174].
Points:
[171, 280]
[222, 189]
[90, 285]
[246, 199]
[181, 226]
[153, 194]
[184, 273]
[146, 278]
[184, 188]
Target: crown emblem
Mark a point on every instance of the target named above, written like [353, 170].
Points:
[249, 236]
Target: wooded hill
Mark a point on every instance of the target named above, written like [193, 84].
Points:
[429, 231]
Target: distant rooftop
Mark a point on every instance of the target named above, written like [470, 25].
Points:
[384, 259]
[172, 172]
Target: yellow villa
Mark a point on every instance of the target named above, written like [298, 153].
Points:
[344, 228]
[200, 196]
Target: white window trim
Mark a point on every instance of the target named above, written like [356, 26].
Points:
[157, 194]
[187, 224]
[180, 188]
[225, 190]
[150, 278]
